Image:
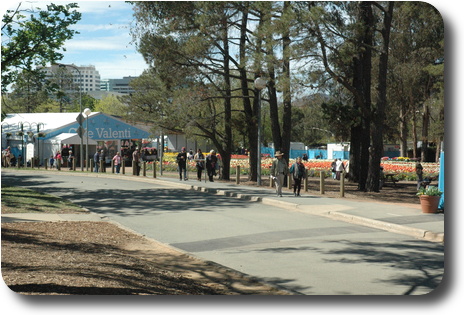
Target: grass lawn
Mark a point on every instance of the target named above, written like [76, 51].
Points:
[21, 200]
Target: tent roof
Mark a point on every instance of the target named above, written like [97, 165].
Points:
[69, 138]
[100, 125]
[48, 121]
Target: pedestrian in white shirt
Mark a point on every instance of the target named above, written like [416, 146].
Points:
[279, 170]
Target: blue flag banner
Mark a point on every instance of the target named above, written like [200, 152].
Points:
[441, 180]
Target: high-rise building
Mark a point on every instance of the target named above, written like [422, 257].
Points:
[86, 77]
[121, 85]
[104, 85]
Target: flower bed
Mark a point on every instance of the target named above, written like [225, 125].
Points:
[403, 170]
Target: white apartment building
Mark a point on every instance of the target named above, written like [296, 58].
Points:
[86, 77]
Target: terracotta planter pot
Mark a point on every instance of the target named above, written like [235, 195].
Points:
[429, 204]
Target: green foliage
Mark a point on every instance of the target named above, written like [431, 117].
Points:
[110, 105]
[340, 118]
[29, 42]
[430, 191]
[417, 40]
[188, 45]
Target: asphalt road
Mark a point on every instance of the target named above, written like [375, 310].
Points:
[300, 252]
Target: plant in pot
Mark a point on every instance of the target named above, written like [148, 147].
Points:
[429, 198]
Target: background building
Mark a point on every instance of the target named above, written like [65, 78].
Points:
[121, 85]
[86, 77]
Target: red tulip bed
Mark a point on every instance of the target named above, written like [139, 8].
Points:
[403, 170]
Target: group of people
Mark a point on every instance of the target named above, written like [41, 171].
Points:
[279, 170]
[98, 158]
[337, 168]
[210, 162]
[7, 157]
[56, 161]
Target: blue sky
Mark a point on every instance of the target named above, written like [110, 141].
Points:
[104, 40]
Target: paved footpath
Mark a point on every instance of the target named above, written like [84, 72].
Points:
[308, 245]
[406, 219]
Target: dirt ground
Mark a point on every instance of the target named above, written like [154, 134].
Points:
[400, 192]
[101, 258]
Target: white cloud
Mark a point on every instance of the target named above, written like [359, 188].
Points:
[99, 44]
[99, 7]
[100, 27]
[128, 65]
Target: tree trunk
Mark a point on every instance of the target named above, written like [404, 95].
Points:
[404, 131]
[286, 91]
[355, 153]
[373, 179]
[227, 108]
[252, 130]
[425, 132]
[362, 65]
[414, 135]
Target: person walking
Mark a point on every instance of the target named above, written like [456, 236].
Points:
[6, 154]
[419, 173]
[190, 155]
[117, 162]
[58, 160]
[70, 160]
[96, 161]
[334, 169]
[136, 161]
[299, 171]
[211, 162]
[102, 161]
[182, 163]
[200, 165]
[339, 168]
[52, 162]
[279, 170]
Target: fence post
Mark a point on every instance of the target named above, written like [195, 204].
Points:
[58, 164]
[123, 166]
[271, 182]
[73, 164]
[46, 164]
[322, 184]
[237, 174]
[342, 184]
[289, 181]
[305, 183]
[112, 166]
[154, 169]
[133, 167]
[144, 171]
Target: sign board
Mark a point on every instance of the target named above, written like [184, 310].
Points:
[80, 131]
[80, 119]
